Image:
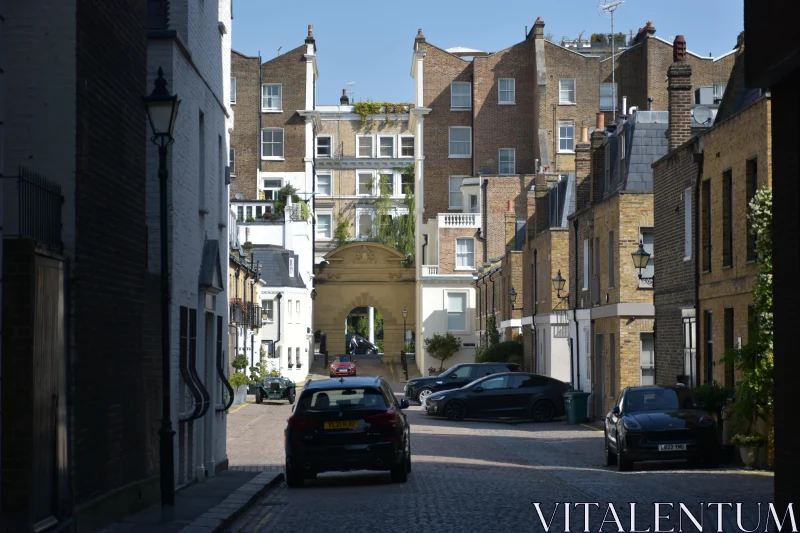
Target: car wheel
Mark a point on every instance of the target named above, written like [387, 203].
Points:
[611, 458]
[455, 410]
[423, 393]
[294, 479]
[543, 411]
[292, 396]
[623, 463]
[259, 398]
[400, 472]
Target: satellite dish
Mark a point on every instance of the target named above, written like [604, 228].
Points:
[239, 196]
[702, 115]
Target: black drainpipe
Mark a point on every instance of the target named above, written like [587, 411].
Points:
[697, 259]
[237, 303]
[260, 124]
[425, 235]
[485, 188]
[480, 320]
[275, 344]
[533, 318]
[575, 314]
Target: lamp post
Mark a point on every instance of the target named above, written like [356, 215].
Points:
[512, 297]
[558, 285]
[162, 110]
[640, 260]
[403, 353]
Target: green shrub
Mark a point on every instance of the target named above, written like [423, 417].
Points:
[503, 352]
[238, 379]
[379, 344]
[442, 347]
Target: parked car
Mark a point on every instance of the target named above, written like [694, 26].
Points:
[276, 388]
[343, 365]
[454, 378]
[363, 346]
[508, 395]
[347, 424]
[659, 423]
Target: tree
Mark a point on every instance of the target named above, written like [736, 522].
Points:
[491, 330]
[502, 352]
[442, 347]
[285, 192]
[598, 38]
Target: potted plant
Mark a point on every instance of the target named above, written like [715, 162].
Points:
[432, 371]
[749, 444]
[239, 383]
[442, 347]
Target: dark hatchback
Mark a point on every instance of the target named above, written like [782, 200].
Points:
[654, 423]
[347, 424]
[510, 395]
[454, 378]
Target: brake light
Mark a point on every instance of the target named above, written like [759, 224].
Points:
[389, 418]
[301, 424]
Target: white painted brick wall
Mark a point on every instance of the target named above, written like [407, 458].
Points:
[203, 86]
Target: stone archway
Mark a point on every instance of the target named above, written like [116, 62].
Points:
[365, 274]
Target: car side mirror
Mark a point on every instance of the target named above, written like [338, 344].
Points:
[403, 403]
[453, 376]
[477, 389]
[616, 411]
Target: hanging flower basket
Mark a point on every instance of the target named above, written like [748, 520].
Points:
[238, 302]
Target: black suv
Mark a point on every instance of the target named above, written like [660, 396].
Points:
[455, 378]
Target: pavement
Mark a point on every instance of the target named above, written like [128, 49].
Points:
[475, 475]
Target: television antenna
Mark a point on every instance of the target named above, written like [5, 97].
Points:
[350, 90]
[607, 10]
[279, 51]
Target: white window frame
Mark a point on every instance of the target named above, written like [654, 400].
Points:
[289, 318]
[470, 266]
[465, 295]
[450, 142]
[322, 236]
[513, 169]
[450, 192]
[453, 95]
[566, 123]
[562, 89]
[392, 183]
[232, 161]
[269, 310]
[233, 90]
[360, 173]
[283, 145]
[291, 267]
[652, 364]
[402, 188]
[512, 91]
[364, 211]
[687, 224]
[613, 96]
[264, 108]
[716, 94]
[642, 231]
[372, 146]
[621, 140]
[297, 312]
[400, 145]
[330, 146]
[328, 175]
[378, 146]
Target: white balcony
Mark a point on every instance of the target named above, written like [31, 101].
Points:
[459, 220]
[430, 270]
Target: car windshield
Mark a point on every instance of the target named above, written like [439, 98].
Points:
[345, 359]
[341, 399]
[661, 399]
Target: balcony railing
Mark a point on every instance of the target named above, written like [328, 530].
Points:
[253, 316]
[236, 312]
[459, 220]
[32, 208]
[430, 270]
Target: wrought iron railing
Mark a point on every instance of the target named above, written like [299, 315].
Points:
[237, 311]
[33, 208]
[254, 317]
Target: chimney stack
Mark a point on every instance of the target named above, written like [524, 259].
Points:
[600, 121]
[538, 29]
[344, 100]
[420, 38]
[583, 167]
[511, 226]
[679, 87]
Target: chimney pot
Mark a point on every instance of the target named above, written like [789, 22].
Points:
[419, 32]
[311, 30]
[510, 206]
[585, 134]
[679, 49]
[600, 121]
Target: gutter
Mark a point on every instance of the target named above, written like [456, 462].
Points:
[697, 259]
[575, 313]
[485, 187]
[535, 302]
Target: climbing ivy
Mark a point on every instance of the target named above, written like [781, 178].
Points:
[366, 109]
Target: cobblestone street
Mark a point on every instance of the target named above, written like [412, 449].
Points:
[470, 476]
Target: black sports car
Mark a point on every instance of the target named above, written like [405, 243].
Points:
[654, 423]
[418, 389]
[508, 395]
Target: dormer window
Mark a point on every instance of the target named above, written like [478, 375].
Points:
[291, 267]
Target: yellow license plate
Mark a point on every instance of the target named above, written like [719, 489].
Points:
[341, 424]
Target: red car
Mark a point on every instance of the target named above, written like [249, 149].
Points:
[343, 365]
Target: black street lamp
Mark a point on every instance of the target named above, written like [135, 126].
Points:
[162, 109]
[558, 285]
[405, 314]
[640, 260]
[313, 294]
[512, 297]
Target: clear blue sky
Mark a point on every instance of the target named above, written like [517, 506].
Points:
[370, 42]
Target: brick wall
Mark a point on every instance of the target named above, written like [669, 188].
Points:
[736, 140]
[447, 250]
[680, 103]
[673, 178]
[579, 299]
[500, 190]
[511, 275]
[245, 138]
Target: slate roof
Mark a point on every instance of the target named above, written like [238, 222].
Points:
[646, 141]
[274, 262]
[211, 278]
[561, 202]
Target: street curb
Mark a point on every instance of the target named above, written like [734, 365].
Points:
[225, 514]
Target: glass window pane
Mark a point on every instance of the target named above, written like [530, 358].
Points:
[324, 185]
[365, 146]
[365, 184]
[455, 192]
[456, 302]
[460, 95]
[407, 146]
[365, 225]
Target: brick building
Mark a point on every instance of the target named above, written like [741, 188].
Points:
[78, 320]
[640, 74]
[191, 43]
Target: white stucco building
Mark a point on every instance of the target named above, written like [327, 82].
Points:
[194, 53]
